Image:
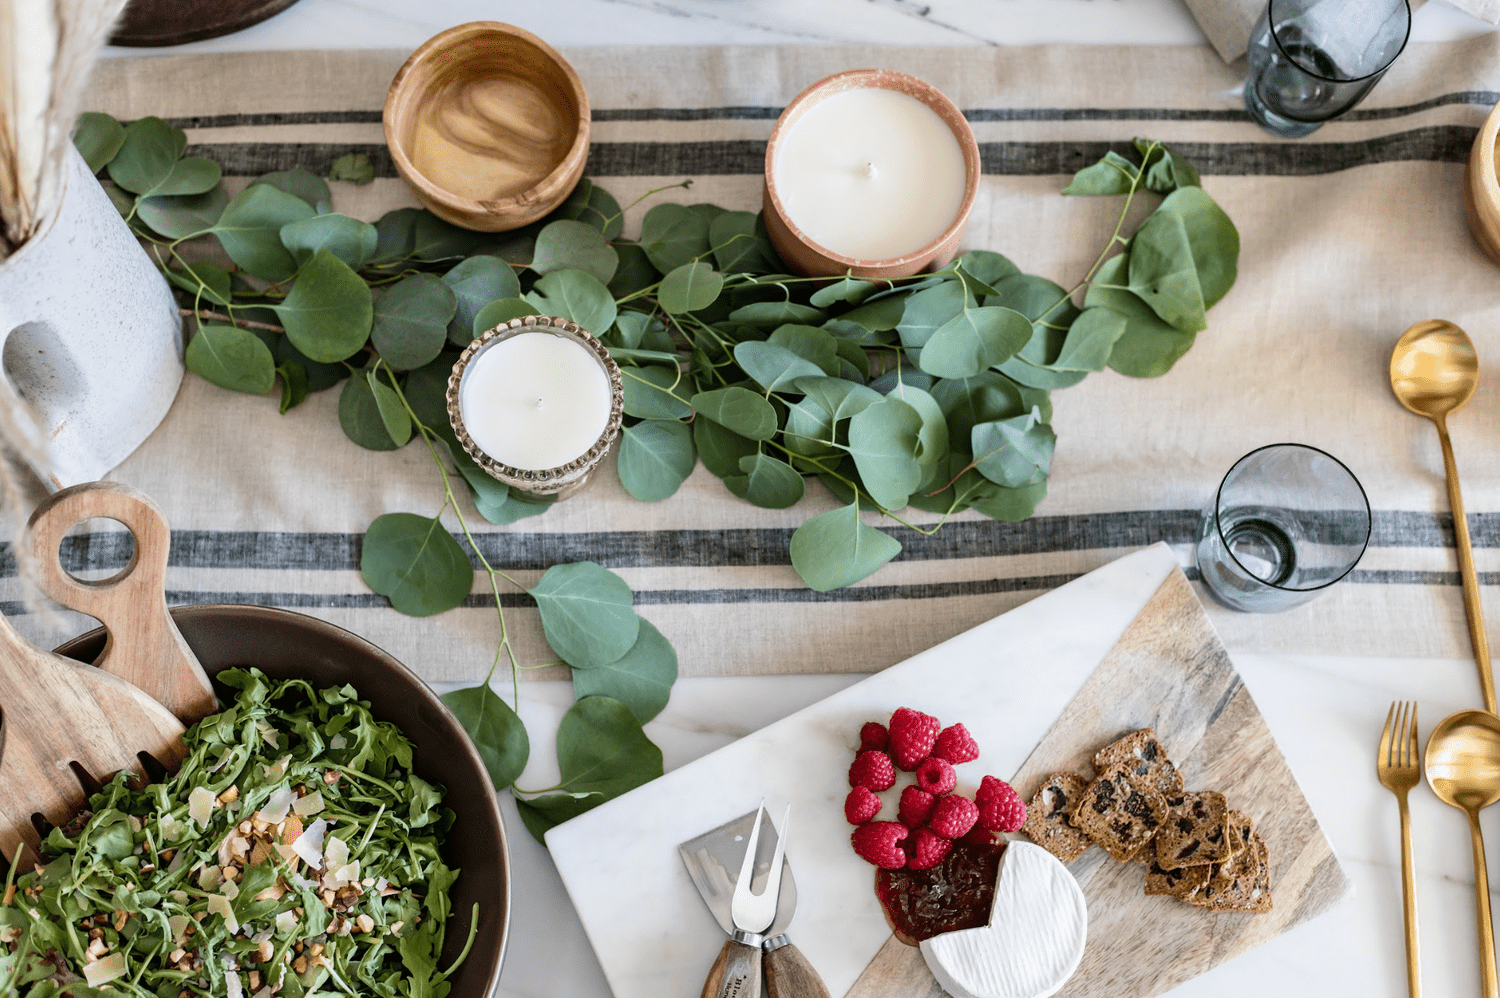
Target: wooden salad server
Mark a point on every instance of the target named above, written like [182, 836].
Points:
[60, 716]
[142, 646]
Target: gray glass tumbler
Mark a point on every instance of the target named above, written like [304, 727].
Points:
[1287, 522]
[1312, 60]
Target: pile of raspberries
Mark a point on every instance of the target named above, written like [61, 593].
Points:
[931, 815]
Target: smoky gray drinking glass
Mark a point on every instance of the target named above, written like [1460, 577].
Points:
[1287, 522]
[1312, 60]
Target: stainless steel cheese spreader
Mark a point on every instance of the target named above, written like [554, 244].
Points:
[718, 861]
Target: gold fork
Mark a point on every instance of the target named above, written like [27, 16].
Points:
[1399, 766]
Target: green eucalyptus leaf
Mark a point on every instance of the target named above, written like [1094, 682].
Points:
[1114, 174]
[1163, 273]
[1091, 339]
[854, 362]
[809, 430]
[738, 409]
[766, 482]
[839, 398]
[928, 311]
[352, 168]
[877, 316]
[595, 206]
[250, 230]
[392, 413]
[499, 312]
[124, 202]
[410, 325]
[690, 287]
[434, 239]
[987, 267]
[845, 289]
[776, 313]
[630, 329]
[656, 457]
[98, 137]
[1149, 347]
[207, 279]
[1214, 240]
[1010, 505]
[181, 215]
[837, 549]
[149, 161]
[601, 749]
[973, 340]
[320, 376]
[300, 183]
[1029, 375]
[1046, 304]
[294, 384]
[349, 239]
[328, 313]
[642, 680]
[719, 448]
[773, 366]
[1013, 452]
[572, 294]
[708, 211]
[586, 614]
[656, 393]
[1166, 171]
[396, 236]
[476, 282]
[497, 733]
[809, 343]
[672, 235]
[634, 274]
[986, 397]
[883, 441]
[568, 244]
[741, 245]
[231, 358]
[360, 417]
[932, 438]
[416, 564]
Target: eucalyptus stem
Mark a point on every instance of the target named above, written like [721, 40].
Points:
[204, 313]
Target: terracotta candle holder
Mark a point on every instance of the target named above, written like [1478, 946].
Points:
[953, 186]
[488, 125]
[542, 411]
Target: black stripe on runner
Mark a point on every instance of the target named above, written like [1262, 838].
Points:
[745, 157]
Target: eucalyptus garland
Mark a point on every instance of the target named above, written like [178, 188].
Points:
[930, 392]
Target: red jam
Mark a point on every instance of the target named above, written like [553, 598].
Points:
[955, 894]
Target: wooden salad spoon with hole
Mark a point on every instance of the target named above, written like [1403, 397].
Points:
[142, 646]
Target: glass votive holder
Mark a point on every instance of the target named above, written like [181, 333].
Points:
[1287, 522]
[537, 403]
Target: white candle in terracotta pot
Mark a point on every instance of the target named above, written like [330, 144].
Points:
[870, 173]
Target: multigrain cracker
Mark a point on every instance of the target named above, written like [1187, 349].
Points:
[1147, 760]
[1119, 814]
[1047, 817]
[1196, 832]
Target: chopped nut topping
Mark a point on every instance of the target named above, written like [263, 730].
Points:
[232, 794]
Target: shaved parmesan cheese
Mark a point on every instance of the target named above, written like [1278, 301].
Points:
[201, 805]
[181, 897]
[267, 733]
[210, 877]
[311, 804]
[338, 742]
[233, 986]
[277, 770]
[104, 970]
[223, 761]
[278, 807]
[336, 852]
[264, 992]
[286, 922]
[218, 904]
[343, 876]
[309, 845]
[178, 924]
[171, 828]
[229, 889]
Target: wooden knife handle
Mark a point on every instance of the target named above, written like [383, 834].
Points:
[789, 975]
[736, 973]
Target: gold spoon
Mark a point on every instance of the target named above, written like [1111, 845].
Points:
[1433, 372]
[1463, 769]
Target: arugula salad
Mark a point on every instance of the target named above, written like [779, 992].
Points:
[294, 854]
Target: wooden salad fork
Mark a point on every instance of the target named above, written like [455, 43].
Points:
[1398, 764]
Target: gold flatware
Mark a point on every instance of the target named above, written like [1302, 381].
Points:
[1399, 767]
[1463, 769]
[1433, 372]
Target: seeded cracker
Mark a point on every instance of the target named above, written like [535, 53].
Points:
[1118, 814]
[1241, 884]
[1047, 817]
[1147, 759]
[1196, 832]
[1183, 883]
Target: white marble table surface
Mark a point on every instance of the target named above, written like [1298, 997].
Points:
[1326, 712]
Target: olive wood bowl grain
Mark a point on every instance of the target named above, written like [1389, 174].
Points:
[509, 101]
[288, 645]
[1482, 188]
[807, 257]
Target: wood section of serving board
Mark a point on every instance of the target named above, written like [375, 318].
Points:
[1170, 672]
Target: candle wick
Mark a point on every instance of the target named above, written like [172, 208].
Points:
[538, 403]
[870, 170]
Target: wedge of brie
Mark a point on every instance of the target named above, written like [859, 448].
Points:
[1033, 942]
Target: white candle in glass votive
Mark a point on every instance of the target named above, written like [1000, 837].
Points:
[535, 400]
[870, 173]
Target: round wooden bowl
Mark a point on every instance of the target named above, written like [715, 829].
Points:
[488, 125]
[288, 645]
[807, 257]
[1482, 189]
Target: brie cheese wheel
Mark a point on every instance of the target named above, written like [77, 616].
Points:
[1033, 942]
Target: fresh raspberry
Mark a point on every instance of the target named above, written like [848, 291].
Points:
[912, 735]
[955, 744]
[936, 776]
[879, 842]
[927, 849]
[861, 805]
[980, 836]
[1000, 807]
[873, 771]
[916, 806]
[873, 736]
[953, 816]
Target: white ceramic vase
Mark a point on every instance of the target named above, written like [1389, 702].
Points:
[92, 340]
